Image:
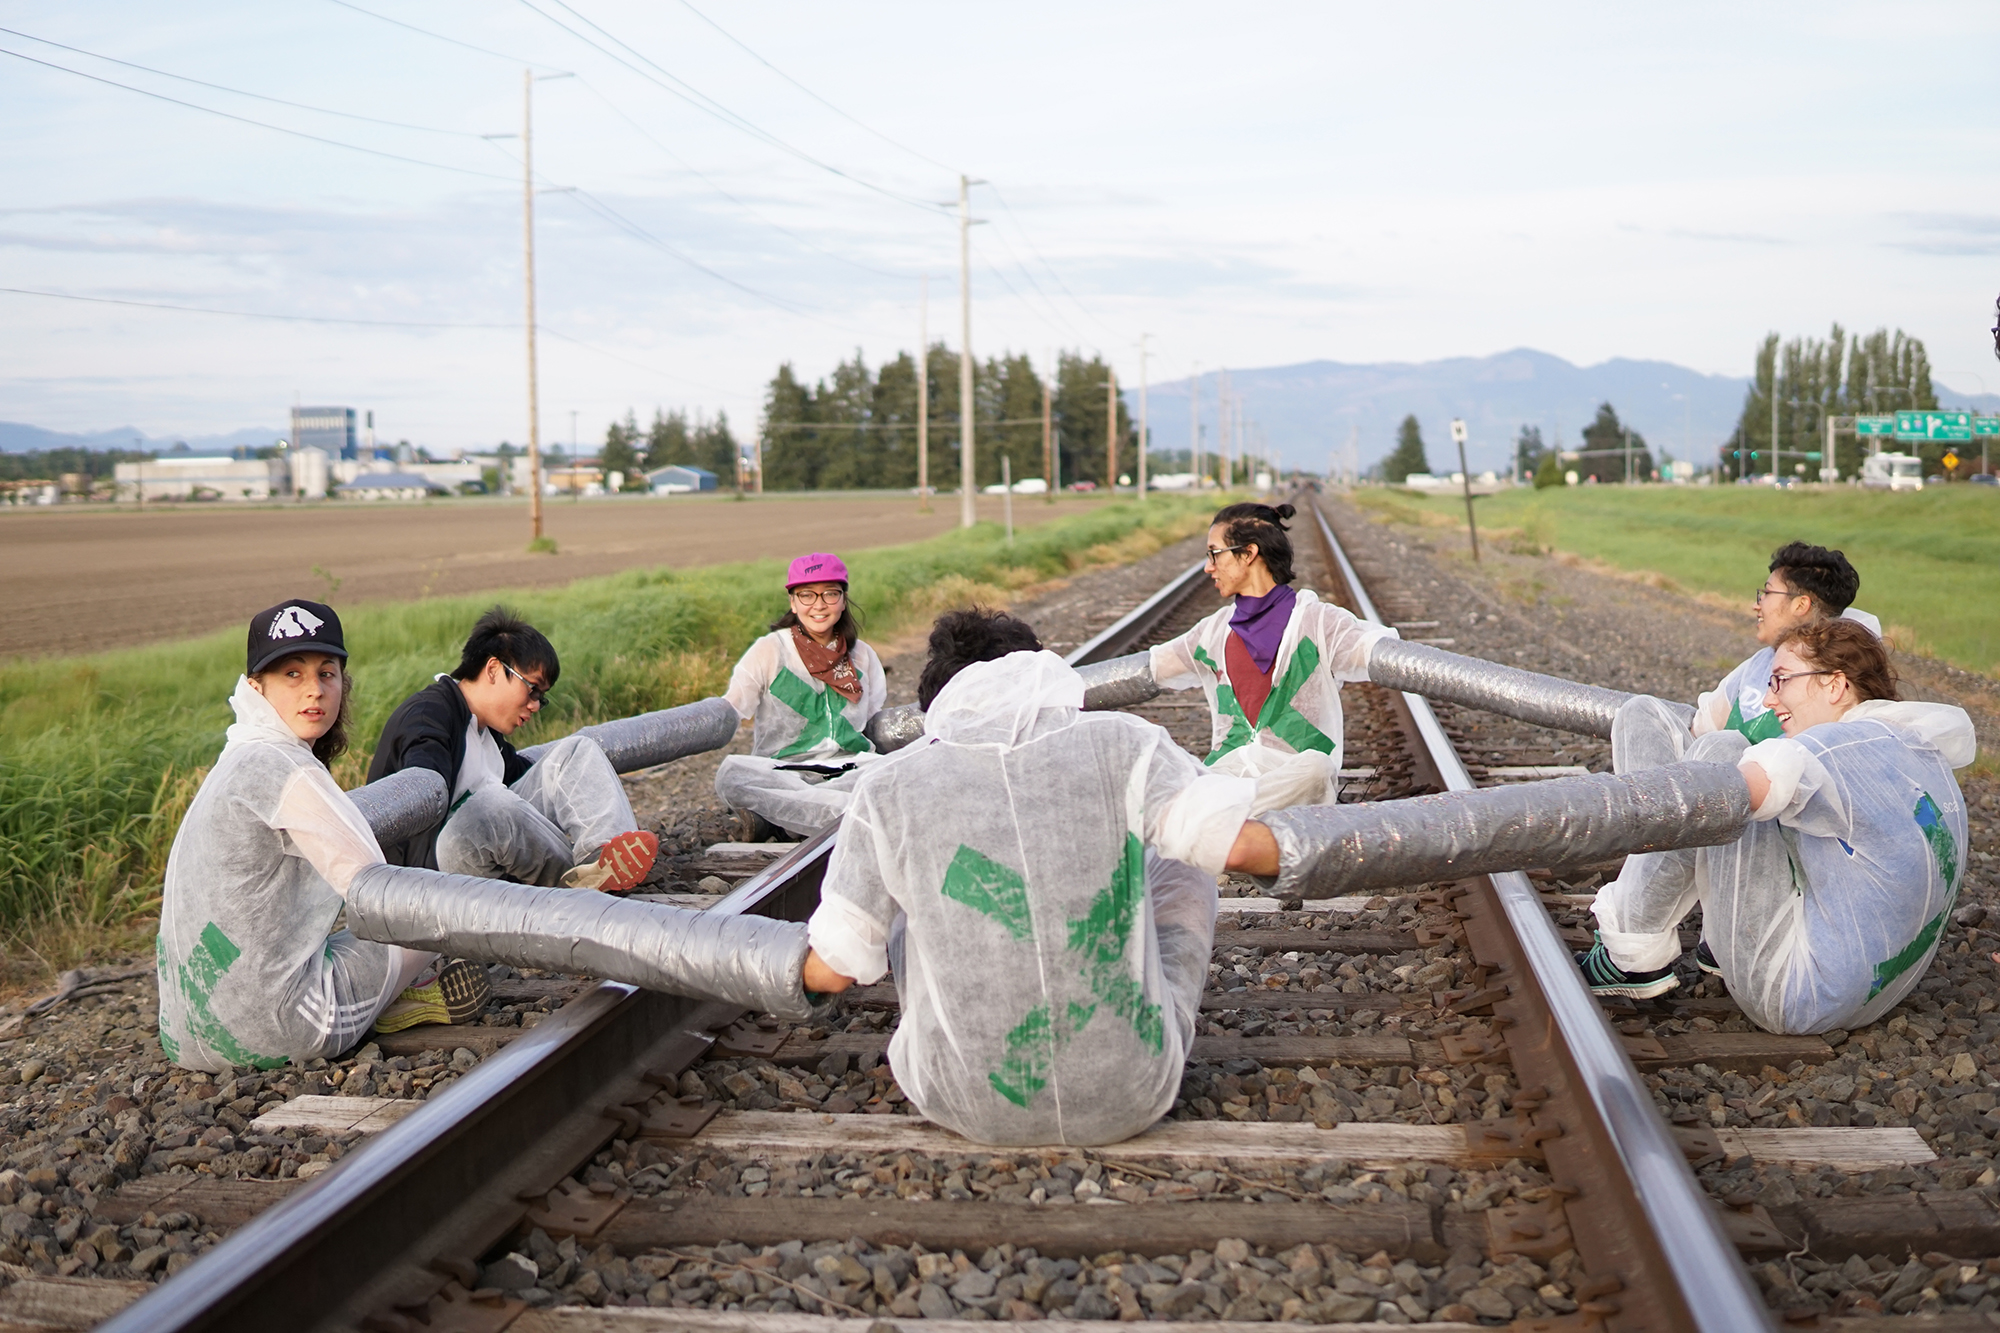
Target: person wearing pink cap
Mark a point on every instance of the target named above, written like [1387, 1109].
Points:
[809, 687]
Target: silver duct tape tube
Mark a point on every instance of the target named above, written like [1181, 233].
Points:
[753, 961]
[653, 738]
[893, 728]
[1528, 696]
[402, 805]
[1119, 683]
[1328, 850]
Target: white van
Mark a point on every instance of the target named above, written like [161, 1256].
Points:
[1892, 472]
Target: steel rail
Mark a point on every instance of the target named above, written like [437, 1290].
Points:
[1709, 1289]
[1117, 638]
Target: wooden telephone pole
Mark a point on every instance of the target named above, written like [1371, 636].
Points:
[528, 233]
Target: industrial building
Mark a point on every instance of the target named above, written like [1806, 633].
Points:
[327, 428]
[200, 477]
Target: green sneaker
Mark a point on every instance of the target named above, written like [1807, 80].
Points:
[1605, 977]
[1704, 958]
[458, 994]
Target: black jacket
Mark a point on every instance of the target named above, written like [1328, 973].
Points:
[427, 730]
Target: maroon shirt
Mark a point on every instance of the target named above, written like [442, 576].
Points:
[1252, 686]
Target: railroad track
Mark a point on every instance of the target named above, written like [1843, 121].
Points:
[1366, 1072]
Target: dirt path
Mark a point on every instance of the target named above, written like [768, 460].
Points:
[80, 579]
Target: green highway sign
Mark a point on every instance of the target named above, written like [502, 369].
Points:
[1986, 425]
[1933, 425]
[1874, 425]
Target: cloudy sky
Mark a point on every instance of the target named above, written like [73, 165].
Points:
[726, 187]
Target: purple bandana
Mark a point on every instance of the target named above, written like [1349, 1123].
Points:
[1260, 622]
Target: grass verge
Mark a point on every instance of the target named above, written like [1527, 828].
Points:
[100, 755]
[1929, 560]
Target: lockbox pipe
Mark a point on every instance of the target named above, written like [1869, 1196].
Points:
[753, 961]
[1329, 850]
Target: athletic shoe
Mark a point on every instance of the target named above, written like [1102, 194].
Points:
[1605, 977]
[624, 862]
[1704, 958]
[458, 994]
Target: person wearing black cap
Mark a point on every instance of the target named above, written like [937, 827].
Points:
[251, 970]
[562, 819]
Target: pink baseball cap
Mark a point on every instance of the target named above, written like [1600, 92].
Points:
[816, 568]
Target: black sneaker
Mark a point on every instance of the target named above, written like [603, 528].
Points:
[1704, 958]
[1605, 977]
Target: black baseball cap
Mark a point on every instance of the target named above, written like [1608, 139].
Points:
[292, 627]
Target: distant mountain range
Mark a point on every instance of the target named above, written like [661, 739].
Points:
[18, 437]
[1308, 412]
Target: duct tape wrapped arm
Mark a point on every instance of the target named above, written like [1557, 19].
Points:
[1526, 696]
[753, 961]
[1121, 682]
[639, 742]
[1325, 851]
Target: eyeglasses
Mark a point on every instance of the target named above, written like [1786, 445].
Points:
[830, 597]
[1762, 593]
[1216, 553]
[1780, 679]
[537, 694]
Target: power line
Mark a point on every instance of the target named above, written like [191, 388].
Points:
[438, 36]
[678, 379]
[1015, 219]
[240, 92]
[260, 124]
[694, 171]
[925, 157]
[703, 102]
[252, 314]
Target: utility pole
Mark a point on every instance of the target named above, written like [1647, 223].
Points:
[1774, 411]
[967, 474]
[528, 233]
[1111, 430]
[1222, 428]
[1194, 424]
[924, 394]
[1143, 441]
[1048, 448]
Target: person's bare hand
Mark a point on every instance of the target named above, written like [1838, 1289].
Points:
[1255, 851]
[821, 979]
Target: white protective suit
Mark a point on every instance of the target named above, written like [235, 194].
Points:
[249, 973]
[1324, 647]
[1054, 871]
[799, 724]
[1827, 910]
[1737, 702]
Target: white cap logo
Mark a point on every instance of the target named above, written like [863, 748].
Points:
[294, 622]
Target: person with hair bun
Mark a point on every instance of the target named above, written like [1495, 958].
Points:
[1828, 909]
[1271, 664]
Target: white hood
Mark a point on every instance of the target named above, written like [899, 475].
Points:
[256, 721]
[1864, 619]
[996, 703]
[1944, 727]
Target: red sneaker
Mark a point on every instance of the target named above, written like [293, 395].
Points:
[620, 867]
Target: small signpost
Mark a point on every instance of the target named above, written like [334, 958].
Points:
[1465, 476]
[1950, 461]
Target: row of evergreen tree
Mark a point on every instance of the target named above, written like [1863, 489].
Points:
[857, 428]
[1813, 379]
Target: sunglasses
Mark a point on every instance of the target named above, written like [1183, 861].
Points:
[537, 694]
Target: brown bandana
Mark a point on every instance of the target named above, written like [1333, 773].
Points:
[829, 665]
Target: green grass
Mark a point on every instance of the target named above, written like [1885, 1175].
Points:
[100, 755]
[1929, 560]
